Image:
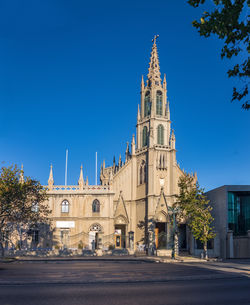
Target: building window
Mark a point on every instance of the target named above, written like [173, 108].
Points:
[239, 212]
[147, 104]
[144, 136]
[159, 103]
[143, 173]
[33, 233]
[35, 236]
[65, 206]
[160, 134]
[96, 206]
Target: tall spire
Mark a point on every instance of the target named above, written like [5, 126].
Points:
[81, 180]
[154, 74]
[51, 180]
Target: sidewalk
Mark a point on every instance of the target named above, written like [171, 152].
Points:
[149, 259]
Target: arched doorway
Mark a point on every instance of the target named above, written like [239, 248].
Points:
[162, 231]
[94, 236]
[120, 232]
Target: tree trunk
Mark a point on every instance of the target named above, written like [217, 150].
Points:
[1, 249]
[205, 250]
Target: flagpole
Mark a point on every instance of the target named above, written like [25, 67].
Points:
[96, 168]
[66, 167]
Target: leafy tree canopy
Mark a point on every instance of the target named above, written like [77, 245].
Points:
[195, 209]
[230, 22]
[22, 201]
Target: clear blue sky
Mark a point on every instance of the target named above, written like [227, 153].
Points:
[70, 75]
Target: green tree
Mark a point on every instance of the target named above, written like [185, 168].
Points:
[194, 207]
[22, 202]
[229, 20]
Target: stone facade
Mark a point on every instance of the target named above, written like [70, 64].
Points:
[129, 192]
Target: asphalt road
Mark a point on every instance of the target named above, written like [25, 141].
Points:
[122, 282]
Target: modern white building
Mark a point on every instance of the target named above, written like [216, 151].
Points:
[231, 211]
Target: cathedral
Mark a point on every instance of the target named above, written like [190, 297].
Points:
[131, 206]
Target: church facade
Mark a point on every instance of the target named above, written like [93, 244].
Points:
[130, 207]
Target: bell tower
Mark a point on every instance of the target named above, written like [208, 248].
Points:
[155, 149]
[153, 118]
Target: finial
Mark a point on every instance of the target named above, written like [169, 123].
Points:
[87, 181]
[155, 38]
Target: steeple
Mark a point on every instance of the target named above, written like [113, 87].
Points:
[154, 74]
[81, 180]
[51, 180]
[21, 178]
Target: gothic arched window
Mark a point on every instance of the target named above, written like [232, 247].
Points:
[96, 206]
[160, 135]
[159, 103]
[65, 206]
[147, 104]
[144, 136]
[145, 173]
[141, 174]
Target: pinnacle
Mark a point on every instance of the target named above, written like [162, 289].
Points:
[51, 180]
[154, 74]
